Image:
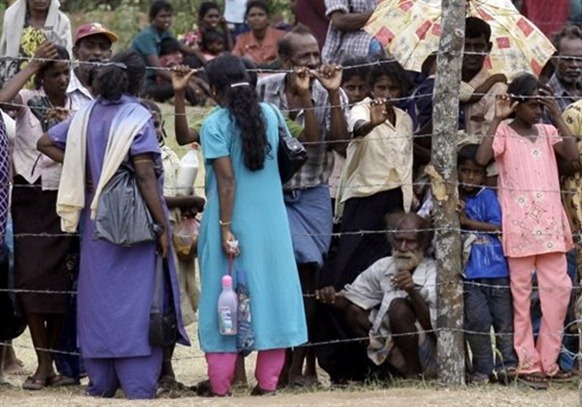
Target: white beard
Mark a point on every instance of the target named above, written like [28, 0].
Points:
[407, 261]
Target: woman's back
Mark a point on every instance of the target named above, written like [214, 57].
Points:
[259, 221]
[220, 137]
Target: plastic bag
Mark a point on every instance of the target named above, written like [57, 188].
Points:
[123, 217]
[245, 341]
[185, 238]
[187, 173]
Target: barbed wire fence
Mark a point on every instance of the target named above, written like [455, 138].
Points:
[452, 276]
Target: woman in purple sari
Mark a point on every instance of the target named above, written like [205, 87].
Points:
[116, 283]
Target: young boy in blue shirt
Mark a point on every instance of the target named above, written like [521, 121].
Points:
[486, 276]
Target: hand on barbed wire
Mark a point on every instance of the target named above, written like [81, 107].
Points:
[302, 79]
[504, 106]
[44, 52]
[461, 211]
[326, 295]
[181, 76]
[548, 101]
[330, 76]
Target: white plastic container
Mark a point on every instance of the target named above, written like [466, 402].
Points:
[227, 308]
[187, 173]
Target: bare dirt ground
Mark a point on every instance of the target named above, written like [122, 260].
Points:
[191, 368]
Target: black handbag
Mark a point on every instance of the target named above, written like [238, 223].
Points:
[123, 217]
[291, 155]
[13, 322]
[163, 329]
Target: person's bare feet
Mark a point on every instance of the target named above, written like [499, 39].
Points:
[311, 380]
[13, 365]
[15, 369]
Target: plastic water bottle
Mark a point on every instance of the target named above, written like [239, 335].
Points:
[187, 173]
[227, 308]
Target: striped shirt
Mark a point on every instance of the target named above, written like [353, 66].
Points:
[317, 169]
[340, 45]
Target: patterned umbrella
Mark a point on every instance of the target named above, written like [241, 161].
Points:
[410, 30]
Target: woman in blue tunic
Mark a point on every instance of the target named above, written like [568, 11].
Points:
[245, 203]
[116, 283]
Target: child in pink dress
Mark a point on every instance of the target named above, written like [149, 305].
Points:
[536, 232]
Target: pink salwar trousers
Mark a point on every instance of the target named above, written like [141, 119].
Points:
[221, 368]
[554, 290]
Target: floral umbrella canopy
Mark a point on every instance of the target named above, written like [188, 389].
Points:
[410, 30]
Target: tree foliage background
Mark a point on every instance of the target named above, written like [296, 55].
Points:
[127, 17]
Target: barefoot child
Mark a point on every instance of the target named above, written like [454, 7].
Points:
[486, 287]
[536, 232]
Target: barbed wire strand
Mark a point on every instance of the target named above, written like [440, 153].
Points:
[375, 336]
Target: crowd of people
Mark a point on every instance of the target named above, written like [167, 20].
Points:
[340, 257]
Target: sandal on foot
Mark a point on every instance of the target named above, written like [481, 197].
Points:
[60, 381]
[479, 379]
[204, 389]
[32, 383]
[537, 381]
[562, 376]
[506, 376]
[257, 391]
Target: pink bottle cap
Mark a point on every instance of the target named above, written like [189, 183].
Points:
[226, 281]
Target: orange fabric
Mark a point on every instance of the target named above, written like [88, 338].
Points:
[259, 52]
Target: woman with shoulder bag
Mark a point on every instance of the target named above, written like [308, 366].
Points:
[116, 282]
[245, 204]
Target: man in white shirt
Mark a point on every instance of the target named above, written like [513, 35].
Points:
[391, 306]
[93, 43]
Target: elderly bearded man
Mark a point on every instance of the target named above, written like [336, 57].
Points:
[392, 304]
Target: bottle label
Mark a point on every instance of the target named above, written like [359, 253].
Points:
[225, 321]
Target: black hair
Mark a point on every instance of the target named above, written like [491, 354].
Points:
[124, 73]
[571, 32]
[205, 7]
[210, 36]
[258, 4]
[392, 69]
[169, 45]
[355, 66]
[63, 56]
[159, 5]
[428, 63]
[242, 103]
[398, 221]
[284, 45]
[475, 27]
[468, 153]
[523, 86]
[251, 68]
